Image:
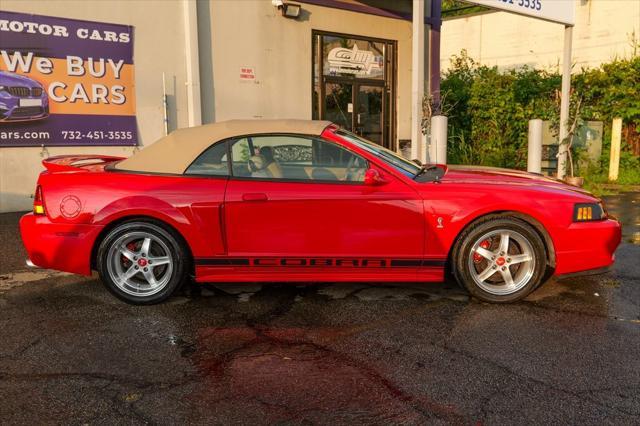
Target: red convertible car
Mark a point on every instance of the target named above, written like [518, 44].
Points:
[292, 200]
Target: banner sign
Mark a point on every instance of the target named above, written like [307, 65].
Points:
[561, 11]
[65, 82]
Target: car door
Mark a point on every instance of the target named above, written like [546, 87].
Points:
[294, 198]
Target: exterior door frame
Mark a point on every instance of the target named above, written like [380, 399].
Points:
[388, 83]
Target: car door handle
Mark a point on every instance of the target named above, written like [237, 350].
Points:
[254, 197]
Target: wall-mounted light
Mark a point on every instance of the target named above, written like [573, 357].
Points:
[288, 10]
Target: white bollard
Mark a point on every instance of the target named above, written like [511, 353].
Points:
[534, 153]
[438, 145]
[616, 139]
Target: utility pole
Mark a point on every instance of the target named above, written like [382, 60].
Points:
[565, 99]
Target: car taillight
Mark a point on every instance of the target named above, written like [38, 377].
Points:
[38, 202]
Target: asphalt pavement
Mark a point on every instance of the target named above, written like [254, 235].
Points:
[321, 353]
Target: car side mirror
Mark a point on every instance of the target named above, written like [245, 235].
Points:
[373, 177]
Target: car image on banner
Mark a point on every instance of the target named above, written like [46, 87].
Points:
[304, 201]
[22, 98]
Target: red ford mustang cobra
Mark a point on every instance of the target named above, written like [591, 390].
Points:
[306, 201]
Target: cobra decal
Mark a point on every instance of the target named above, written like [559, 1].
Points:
[322, 262]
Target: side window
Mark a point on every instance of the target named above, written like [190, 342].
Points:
[212, 162]
[295, 157]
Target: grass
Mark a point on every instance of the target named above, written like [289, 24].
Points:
[597, 181]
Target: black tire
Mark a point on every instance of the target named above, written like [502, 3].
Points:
[524, 241]
[162, 240]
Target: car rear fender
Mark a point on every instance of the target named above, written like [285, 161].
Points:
[146, 206]
[149, 207]
[140, 205]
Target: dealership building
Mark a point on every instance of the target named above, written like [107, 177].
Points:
[120, 74]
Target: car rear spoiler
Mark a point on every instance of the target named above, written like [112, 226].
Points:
[67, 163]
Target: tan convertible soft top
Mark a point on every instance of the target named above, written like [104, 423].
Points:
[175, 152]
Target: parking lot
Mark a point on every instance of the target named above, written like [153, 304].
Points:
[321, 353]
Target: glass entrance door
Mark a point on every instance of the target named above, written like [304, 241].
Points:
[354, 85]
[369, 113]
[357, 108]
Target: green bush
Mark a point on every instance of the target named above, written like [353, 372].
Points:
[489, 110]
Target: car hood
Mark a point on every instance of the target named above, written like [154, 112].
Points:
[10, 79]
[493, 175]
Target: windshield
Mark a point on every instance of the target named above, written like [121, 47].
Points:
[401, 164]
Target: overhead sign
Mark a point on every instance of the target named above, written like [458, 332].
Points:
[65, 82]
[561, 11]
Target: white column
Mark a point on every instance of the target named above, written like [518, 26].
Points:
[192, 59]
[438, 145]
[564, 102]
[417, 80]
[534, 153]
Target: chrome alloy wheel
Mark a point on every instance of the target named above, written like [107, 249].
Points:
[139, 263]
[502, 262]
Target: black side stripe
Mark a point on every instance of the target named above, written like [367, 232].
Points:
[393, 263]
[203, 261]
[414, 263]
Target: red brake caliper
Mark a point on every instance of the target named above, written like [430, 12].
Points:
[131, 246]
[485, 245]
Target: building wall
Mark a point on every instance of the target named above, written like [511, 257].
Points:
[602, 32]
[19, 167]
[232, 34]
[252, 33]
